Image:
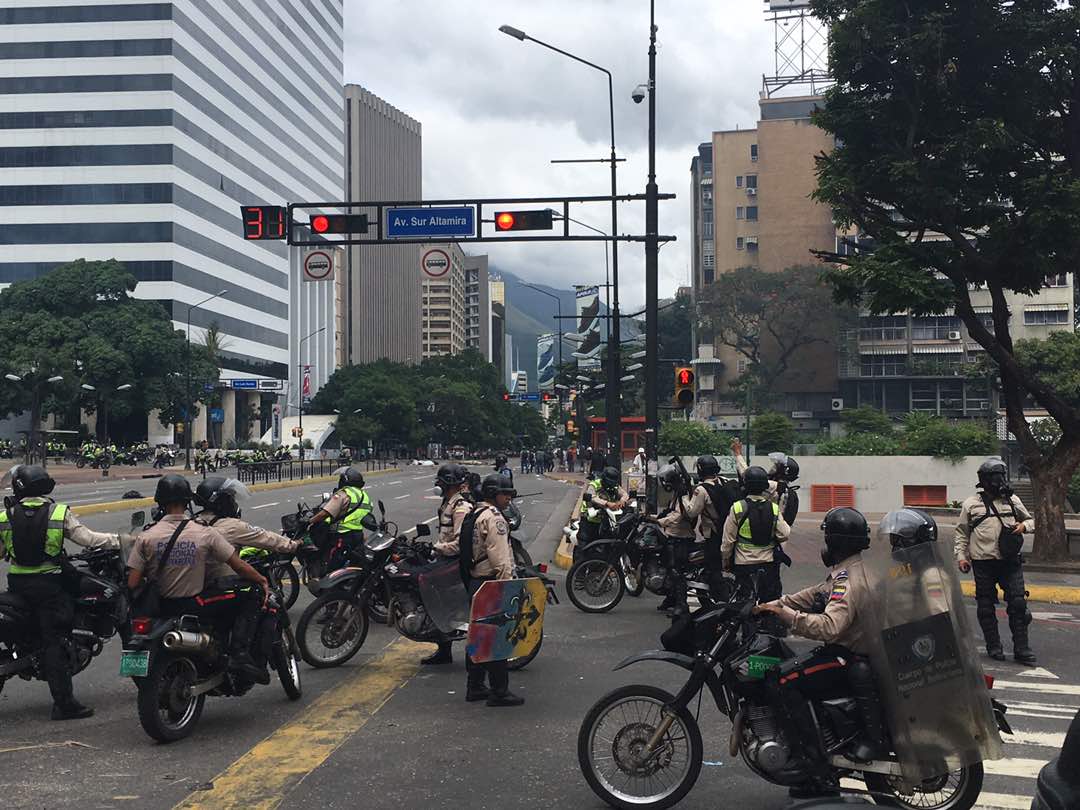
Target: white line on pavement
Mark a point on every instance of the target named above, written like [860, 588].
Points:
[263, 506]
[1039, 672]
[1002, 801]
[1045, 688]
[393, 483]
[1025, 768]
[399, 497]
[1046, 739]
[428, 521]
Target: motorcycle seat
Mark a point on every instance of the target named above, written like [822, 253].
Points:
[15, 602]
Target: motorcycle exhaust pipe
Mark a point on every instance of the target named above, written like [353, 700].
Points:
[187, 641]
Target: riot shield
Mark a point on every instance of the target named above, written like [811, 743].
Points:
[929, 677]
[444, 596]
[507, 619]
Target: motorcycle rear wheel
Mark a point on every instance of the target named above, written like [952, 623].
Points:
[957, 790]
[595, 585]
[617, 728]
[285, 577]
[332, 630]
[287, 663]
[167, 710]
[514, 664]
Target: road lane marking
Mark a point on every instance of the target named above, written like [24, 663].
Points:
[428, 522]
[1045, 739]
[393, 483]
[1039, 672]
[263, 506]
[1002, 801]
[263, 776]
[399, 497]
[1045, 688]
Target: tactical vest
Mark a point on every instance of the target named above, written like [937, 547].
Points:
[359, 506]
[32, 532]
[596, 488]
[757, 522]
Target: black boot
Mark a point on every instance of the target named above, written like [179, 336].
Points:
[868, 746]
[71, 709]
[989, 624]
[1022, 651]
[442, 655]
[474, 682]
[240, 660]
[506, 698]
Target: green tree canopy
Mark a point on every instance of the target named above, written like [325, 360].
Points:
[680, 438]
[772, 432]
[865, 419]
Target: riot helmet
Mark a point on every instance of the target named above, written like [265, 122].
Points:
[670, 478]
[450, 475]
[31, 480]
[792, 469]
[172, 489]
[846, 533]
[222, 496]
[609, 478]
[756, 481]
[473, 480]
[907, 527]
[994, 477]
[500, 461]
[707, 467]
[496, 484]
[350, 477]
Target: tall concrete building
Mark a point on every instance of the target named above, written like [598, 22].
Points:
[383, 285]
[443, 322]
[478, 306]
[136, 132]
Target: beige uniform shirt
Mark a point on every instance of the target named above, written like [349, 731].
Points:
[742, 467]
[241, 534]
[703, 510]
[981, 543]
[491, 545]
[336, 506]
[195, 550]
[677, 522]
[733, 550]
[847, 609]
[451, 515]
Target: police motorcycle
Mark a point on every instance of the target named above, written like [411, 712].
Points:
[640, 746]
[333, 628]
[612, 565]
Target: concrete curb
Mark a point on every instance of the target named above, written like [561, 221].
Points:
[135, 503]
[1055, 594]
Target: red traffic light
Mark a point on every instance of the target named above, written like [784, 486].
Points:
[504, 221]
[506, 397]
[339, 223]
[523, 220]
[320, 224]
[685, 376]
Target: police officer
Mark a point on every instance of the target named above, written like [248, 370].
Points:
[502, 466]
[32, 535]
[836, 612]
[709, 505]
[492, 559]
[753, 529]
[347, 507]
[604, 492]
[783, 471]
[183, 581]
[452, 482]
[988, 539]
[220, 500]
[677, 526]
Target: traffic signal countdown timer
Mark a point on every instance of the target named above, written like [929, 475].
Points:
[684, 387]
[523, 220]
[264, 221]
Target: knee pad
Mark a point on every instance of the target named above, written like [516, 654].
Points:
[984, 608]
[1018, 607]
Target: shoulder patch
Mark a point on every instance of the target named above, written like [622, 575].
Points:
[839, 591]
[840, 576]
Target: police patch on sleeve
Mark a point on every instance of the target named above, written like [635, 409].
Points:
[500, 527]
[839, 591]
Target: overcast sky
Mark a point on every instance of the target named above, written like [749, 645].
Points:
[495, 111]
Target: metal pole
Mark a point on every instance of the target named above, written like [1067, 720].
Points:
[652, 251]
[187, 397]
[614, 392]
[746, 430]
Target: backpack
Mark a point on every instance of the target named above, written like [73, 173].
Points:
[723, 497]
[465, 544]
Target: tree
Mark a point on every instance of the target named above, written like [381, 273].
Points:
[673, 329]
[865, 419]
[940, 439]
[767, 317]
[679, 438]
[957, 154]
[860, 444]
[772, 432]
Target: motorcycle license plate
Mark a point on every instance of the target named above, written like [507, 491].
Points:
[134, 663]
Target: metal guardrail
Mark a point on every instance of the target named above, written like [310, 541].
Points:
[264, 472]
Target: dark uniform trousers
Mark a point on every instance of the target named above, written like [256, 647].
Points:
[678, 562]
[769, 585]
[226, 602]
[1009, 574]
[496, 672]
[54, 609]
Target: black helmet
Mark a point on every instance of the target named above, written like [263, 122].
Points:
[493, 484]
[172, 489]
[756, 481]
[450, 475]
[707, 467]
[473, 480]
[221, 495]
[500, 461]
[994, 476]
[670, 478]
[907, 527]
[31, 480]
[792, 469]
[846, 533]
[610, 478]
[350, 477]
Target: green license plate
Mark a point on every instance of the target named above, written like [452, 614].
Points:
[759, 665]
[134, 664]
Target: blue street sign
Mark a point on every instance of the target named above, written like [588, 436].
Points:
[530, 397]
[423, 222]
[244, 383]
[217, 415]
[208, 387]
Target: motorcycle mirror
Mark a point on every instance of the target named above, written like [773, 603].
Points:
[382, 509]
[368, 522]
[423, 530]
[138, 520]
[587, 497]
[326, 496]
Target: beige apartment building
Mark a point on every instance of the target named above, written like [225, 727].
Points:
[443, 321]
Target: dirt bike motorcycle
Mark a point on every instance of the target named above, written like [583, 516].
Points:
[101, 612]
[640, 746]
[609, 567]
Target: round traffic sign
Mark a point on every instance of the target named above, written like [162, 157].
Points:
[436, 263]
[318, 265]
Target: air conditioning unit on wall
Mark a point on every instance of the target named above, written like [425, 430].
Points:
[837, 404]
[954, 335]
[751, 192]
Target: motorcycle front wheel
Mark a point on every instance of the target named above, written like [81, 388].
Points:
[167, 709]
[332, 630]
[613, 736]
[595, 585]
[956, 790]
[287, 663]
[286, 579]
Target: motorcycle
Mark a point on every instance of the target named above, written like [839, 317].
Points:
[640, 746]
[96, 461]
[101, 612]
[609, 567]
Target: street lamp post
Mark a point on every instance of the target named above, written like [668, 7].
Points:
[652, 251]
[607, 266]
[614, 405]
[558, 320]
[300, 393]
[189, 400]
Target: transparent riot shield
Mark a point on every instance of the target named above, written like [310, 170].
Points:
[444, 596]
[507, 619]
[929, 677]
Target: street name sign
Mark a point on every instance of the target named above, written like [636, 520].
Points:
[402, 223]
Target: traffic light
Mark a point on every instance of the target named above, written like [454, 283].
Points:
[506, 397]
[523, 220]
[684, 387]
[339, 223]
[548, 397]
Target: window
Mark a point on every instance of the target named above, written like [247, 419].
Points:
[753, 151]
[751, 243]
[934, 327]
[741, 365]
[707, 195]
[924, 396]
[708, 275]
[709, 260]
[751, 213]
[1045, 317]
[708, 230]
[882, 365]
[739, 242]
[751, 181]
[882, 327]
[740, 212]
[1058, 280]
[738, 181]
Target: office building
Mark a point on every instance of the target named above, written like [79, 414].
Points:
[443, 307]
[498, 338]
[136, 132]
[497, 289]
[383, 283]
[478, 306]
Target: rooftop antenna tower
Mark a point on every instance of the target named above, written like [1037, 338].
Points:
[801, 50]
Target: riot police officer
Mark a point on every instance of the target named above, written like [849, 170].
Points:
[710, 503]
[988, 539]
[677, 526]
[32, 535]
[502, 466]
[754, 528]
[452, 482]
[348, 506]
[220, 499]
[604, 492]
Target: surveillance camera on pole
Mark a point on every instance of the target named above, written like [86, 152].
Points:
[638, 93]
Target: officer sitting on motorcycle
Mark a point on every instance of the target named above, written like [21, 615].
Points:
[33, 528]
[752, 531]
[677, 526]
[348, 506]
[183, 581]
[604, 493]
[836, 612]
[220, 499]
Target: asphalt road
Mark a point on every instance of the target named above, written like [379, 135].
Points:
[386, 733]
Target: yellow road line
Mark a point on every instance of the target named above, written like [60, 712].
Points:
[263, 776]
[1060, 594]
